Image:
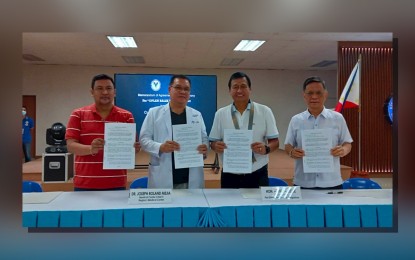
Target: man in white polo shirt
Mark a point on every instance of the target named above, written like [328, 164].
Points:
[245, 114]
[317, 117]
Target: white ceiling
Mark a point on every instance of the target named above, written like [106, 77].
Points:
[291, 51]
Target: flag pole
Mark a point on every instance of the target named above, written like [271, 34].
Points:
[360, 113]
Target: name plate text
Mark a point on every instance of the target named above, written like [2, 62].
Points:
[138, 196]
[281, 193]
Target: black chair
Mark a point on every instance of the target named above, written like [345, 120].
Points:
[360, 183]
[31, 186]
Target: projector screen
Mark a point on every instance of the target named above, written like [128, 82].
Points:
[139, 92]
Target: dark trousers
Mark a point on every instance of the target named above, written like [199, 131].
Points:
[26, 152]
[251, 180]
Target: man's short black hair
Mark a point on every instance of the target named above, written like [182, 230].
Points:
[179, 76]
[238, 75]
[313, 79]
[101, 77]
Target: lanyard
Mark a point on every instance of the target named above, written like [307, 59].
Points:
[251, 118]
[250, 123]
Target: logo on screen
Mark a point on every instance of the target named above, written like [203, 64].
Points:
[155, 85]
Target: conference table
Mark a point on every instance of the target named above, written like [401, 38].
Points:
[209, 208]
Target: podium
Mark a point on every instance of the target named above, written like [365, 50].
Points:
[57, 167]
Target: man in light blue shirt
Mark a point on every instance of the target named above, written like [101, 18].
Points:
[317, 117]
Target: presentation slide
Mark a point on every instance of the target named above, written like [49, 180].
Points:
[139, 92]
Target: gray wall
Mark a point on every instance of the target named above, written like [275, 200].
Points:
[59, 89]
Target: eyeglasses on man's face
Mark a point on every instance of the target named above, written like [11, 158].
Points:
[312, 93]
[181, 89]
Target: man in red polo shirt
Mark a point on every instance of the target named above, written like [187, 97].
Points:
[85, 138]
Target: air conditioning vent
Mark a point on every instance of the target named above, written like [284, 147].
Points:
[231, 62]
[134, 59]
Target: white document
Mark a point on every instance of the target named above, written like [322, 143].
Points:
[119, 151]
[250, 193]
[316, 144]
[237, 157]
[189, 137]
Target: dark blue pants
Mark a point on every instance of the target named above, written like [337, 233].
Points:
[26, 152]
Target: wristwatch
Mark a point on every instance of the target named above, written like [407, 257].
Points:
[267, 149]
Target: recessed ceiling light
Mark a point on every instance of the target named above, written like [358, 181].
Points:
[248, 45]
[122, 41]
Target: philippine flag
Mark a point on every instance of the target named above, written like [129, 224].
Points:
[350, 94]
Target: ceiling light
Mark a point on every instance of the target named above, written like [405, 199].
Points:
[122, 41]
[248, 45]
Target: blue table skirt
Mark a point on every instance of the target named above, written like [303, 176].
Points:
[302, 216]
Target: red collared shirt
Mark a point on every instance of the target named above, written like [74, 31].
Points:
[84, 125]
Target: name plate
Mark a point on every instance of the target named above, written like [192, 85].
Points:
[281, 193]
[139, 196]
